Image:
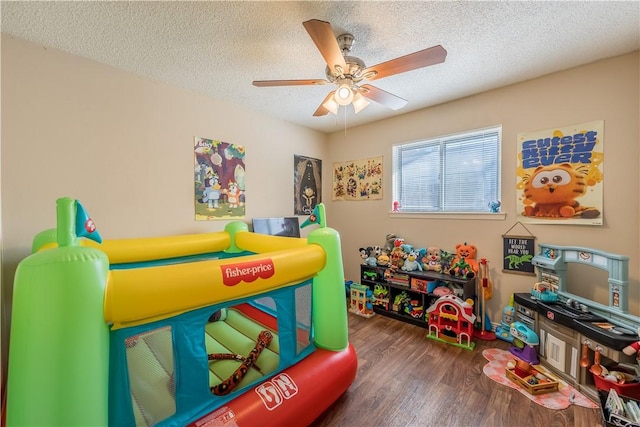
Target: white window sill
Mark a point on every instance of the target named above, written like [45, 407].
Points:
[500, 216]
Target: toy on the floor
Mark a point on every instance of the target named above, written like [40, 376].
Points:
[503, 330]
[524, 340]
[485, 331]
[361, 300]
[121, 333]
[451, 321]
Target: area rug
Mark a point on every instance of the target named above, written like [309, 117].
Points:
[561, 399]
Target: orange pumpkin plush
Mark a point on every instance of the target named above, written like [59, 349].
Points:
[468, 253]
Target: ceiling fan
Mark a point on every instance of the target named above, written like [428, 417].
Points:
[349, 72]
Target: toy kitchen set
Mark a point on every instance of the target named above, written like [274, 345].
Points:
[579, 336]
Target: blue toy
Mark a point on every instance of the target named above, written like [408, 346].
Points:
[503, 330]
[523, 341]
[494, 207]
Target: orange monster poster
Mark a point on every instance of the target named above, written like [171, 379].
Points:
[559, 175]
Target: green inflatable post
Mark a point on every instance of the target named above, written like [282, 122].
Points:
[59, 348]
[232, 228]
[329, 304]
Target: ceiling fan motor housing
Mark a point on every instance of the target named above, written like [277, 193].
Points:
[354, 69]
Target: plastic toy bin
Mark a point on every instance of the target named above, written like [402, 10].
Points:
[629, 390]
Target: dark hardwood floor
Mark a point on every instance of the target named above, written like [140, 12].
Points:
[406, 380]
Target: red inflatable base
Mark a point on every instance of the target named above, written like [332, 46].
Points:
[294, 397]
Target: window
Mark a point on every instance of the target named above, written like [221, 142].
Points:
[450, 174]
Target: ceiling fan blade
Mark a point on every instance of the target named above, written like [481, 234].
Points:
[322, 35]
[422, 58]
[322, 110]
[382, 97]
[268, 83]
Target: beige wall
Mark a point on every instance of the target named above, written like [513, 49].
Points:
[123, 146]
[606, 90]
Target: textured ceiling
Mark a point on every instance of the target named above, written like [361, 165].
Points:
[219, 47]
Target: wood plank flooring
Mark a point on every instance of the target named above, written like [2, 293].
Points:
[407, 380]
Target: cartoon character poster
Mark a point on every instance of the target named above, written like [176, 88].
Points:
[358, 179]
[559, 175]
[307, 184]
[219, 180]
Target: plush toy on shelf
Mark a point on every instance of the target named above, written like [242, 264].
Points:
[432, 259]
[389, 241]
[368, 256]
[465, 264]
[397, 255]
[411, 264]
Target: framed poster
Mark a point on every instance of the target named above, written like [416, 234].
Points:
[358, 179]
[307, 184]
[559, 175]
[219, 190]
[517, 253]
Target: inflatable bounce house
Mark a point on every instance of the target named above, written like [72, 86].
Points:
[225, 328]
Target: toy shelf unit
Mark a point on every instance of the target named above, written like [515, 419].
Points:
[406, 295]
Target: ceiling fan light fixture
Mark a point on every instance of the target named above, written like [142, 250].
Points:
[331, 105]
[344, 94]
[359, 102]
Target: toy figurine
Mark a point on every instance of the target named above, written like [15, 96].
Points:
[396, 207]
[494, 207]
[462, 269]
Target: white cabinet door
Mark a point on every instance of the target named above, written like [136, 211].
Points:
[555, 352]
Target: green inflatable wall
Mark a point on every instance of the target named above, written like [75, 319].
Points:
[59, 349]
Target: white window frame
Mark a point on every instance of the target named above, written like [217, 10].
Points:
[474, 196]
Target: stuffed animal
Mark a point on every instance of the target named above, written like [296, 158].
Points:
[389, 241]
[406, 248]
[377, 250]
[384, 260]
[445, 260]
[465, 259]
[397, 255]
[431, 259]
[411, 264]
[494, 207]
[367, 254]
